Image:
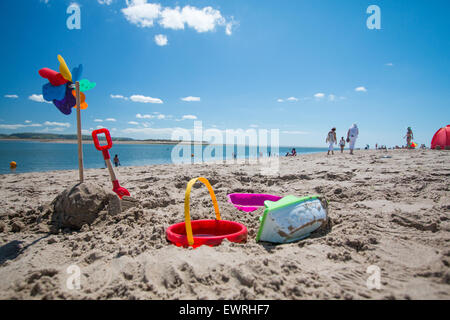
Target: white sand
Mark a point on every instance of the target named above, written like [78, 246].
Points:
[388, 212]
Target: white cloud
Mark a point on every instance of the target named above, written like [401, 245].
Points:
[189, 117]
[141, 13]
[292, 99]
[319, 95]
[294, 132]
[151, 132]
[57, 129]
[229, 27]
[11, 96]
[144, 14]
[156, 115]
[133, 122]
[253, 126]
[361, 89]
[107, 119]
[37, 98]
[118, 96]
[331, 97]
[172, 19]
[17, 126]
[202, 20]
[107, 2]
[280, 100]
[390, 64]
[57, 124]
[145, 116]
[144, 99]
[191, 99]
[161, 40]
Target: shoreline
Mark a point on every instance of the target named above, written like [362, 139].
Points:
[240, 161]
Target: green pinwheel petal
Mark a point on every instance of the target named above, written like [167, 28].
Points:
[86, 85]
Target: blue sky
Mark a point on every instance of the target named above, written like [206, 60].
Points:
[300, 66]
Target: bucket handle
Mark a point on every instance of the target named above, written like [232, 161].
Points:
[187, 216]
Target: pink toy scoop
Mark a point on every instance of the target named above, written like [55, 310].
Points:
[249, 202]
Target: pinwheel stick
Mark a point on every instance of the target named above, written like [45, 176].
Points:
[80, 142]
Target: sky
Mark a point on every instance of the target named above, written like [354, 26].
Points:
[299, 66]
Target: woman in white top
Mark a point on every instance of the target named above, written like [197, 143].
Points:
[352, 135]
[332, 140]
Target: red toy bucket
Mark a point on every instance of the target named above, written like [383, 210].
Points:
[204, 232]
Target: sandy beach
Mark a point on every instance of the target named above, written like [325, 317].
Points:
[389, 212]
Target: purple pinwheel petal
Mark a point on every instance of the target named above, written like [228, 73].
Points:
[71, 100]
[65, 105]
[62, 106]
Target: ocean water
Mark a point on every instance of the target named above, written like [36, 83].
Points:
[33, 156]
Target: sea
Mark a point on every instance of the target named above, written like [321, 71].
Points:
[35, 156]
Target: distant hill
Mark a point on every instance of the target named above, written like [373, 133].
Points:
[54, 136]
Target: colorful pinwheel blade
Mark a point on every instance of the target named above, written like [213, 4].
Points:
[86, 85]
[55, 78]
[63, 69]
[76, 73]
[65, 105]
[50, 92]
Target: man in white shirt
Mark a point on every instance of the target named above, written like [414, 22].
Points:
[352, 135]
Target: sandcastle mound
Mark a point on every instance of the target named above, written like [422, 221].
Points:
[81, 204]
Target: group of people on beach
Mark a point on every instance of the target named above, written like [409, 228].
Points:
[352, 135]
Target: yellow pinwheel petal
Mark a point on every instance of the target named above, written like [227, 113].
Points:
[63, 69]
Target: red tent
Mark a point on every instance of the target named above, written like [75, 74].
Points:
[441, 138]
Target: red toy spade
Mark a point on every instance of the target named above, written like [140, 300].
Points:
[120, 191]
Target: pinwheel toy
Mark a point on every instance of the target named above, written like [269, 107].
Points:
[65, 90]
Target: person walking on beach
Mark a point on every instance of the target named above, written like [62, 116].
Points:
[352, 135]
[409, 137]
[342, 144]
[332, 140]
[116, 161]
